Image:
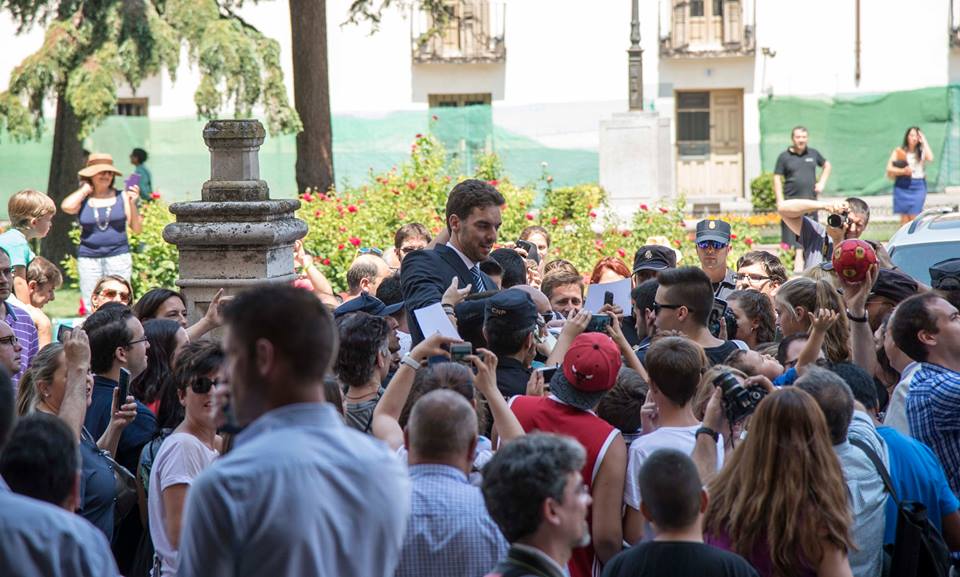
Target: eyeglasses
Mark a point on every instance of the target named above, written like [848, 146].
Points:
[750, 276]
[370, 250]
[142, 339]
[202, 385]
[657, 307]
[409, 249]
[11, 340]
[714, 244]
[112, 294]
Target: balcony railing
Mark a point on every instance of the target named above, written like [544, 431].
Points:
[473, 33]
[706, 29]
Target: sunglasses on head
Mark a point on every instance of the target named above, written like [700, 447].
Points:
[714, 244]
[370, 250]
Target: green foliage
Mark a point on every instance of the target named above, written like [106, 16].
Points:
[582, 227]
[762, 195]
[155, 262]
[89, 47]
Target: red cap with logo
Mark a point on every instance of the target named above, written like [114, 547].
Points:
[592, 363]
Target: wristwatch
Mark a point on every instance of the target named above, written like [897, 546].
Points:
[708, 431]
[410, 362]
[862, 319]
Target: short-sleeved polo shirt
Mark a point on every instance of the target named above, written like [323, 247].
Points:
[799, 172]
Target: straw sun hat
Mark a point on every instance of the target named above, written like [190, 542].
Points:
[97, 163]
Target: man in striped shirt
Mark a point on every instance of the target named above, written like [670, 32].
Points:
[19, 321]
[927, 328]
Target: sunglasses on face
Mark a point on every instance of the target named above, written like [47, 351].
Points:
[750, 276]
[657, 307]
[202, 385]
[112, 294]
[714, 244]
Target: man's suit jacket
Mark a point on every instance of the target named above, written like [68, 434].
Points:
[426, 274]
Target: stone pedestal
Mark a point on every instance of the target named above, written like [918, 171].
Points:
[235, 236]
[636, 161]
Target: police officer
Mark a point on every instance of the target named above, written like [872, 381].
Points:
[511, 328]
[713, 246]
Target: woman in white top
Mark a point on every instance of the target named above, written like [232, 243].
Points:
[191, 447]
[906, 168]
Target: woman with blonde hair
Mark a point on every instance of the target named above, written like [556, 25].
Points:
[798, 299]
[780, 499]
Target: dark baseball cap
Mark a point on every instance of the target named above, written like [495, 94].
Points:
[654, 257]
[945, 275]
[510, 310]
[368, 304]
[894, 285]
[716, 230]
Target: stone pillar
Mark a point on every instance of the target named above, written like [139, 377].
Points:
[636, 161]
[235, 236]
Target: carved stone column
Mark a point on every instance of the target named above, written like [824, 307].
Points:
[235, 236]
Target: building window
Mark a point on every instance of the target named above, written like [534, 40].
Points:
[693, 123]
[696, 8]
[458, 100]
[131, 107]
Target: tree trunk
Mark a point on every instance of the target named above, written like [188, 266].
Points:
[66, 160]
[311, 94]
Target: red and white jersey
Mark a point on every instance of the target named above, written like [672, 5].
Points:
[550, 415]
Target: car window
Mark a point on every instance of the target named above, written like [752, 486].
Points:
[916, 259]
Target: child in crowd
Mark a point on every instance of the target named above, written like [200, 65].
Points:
[43, 279]
[622, 405]
[753, 363]
[31, 214]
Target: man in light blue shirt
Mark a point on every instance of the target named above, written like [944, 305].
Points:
[865, 489]
[300, 493]
[38, 538]
[450, 531]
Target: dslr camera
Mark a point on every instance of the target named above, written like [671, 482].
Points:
[837, 219]
[739, 402]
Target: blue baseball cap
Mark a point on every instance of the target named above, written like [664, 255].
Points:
[368, 304]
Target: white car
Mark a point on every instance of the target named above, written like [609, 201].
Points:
[932, 237]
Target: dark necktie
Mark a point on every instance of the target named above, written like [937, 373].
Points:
[477, 279]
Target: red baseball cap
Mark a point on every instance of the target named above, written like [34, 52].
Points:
[592, 363]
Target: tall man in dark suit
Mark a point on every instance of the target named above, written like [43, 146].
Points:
[473, 219]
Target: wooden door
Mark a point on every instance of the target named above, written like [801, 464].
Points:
[726, 142]
[710, 143]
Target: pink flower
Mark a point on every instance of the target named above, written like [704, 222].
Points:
[343, 229]
[412, 185]
[664, 210]
[493, 182]
[155, 195]
[748, 241]
[621, 252]
[554, 220]
[340, 246]
[354, 241]
[644, 207]
[784, 246]
[308, 197]
[626, 233]
[352, 208]
[529, 216]
[593, 214]
[326, 262]
[317, 214]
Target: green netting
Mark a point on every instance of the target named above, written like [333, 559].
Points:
[180, 162]
[856, 134]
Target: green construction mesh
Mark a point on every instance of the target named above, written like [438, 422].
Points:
[856, 134]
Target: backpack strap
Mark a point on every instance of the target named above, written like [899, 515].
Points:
[878, 464]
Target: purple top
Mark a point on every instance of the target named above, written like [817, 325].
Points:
[759, 557]
[26, 332]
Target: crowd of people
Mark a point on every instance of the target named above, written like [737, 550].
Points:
[731, 422]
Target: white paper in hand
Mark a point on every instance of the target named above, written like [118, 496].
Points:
[432, 320]
[621, 295]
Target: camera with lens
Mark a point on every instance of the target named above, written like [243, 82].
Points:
[837, 219]
[739, 402]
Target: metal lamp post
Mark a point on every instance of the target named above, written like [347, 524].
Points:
[635, 60]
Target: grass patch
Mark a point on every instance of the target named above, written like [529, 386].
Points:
[65, 305]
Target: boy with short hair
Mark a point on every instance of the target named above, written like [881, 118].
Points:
[674, 366]
[31, 214]
[43, 278]
[674, 502]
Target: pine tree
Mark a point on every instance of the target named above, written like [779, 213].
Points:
[91, 46]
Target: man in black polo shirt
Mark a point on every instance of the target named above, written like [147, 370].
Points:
[511, 331]
[795, 176]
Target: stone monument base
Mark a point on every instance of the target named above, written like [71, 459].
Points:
[636, 161]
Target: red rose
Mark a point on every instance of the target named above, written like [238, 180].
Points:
[155, 195]
[316, 214]
[493, 182]
[351, 208]
[529, 216]
[354, 241]
[593, 214]
[340, 246]
[326, 262]
[626, 233]
[733, 236]
[554, 220]
[644, 207]
[343, 229]
[748, 240]
[419, 136]
[308, 197]
[412, 185]
[677, 242]
[621, 252]
[397, 192]
[664, 210]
